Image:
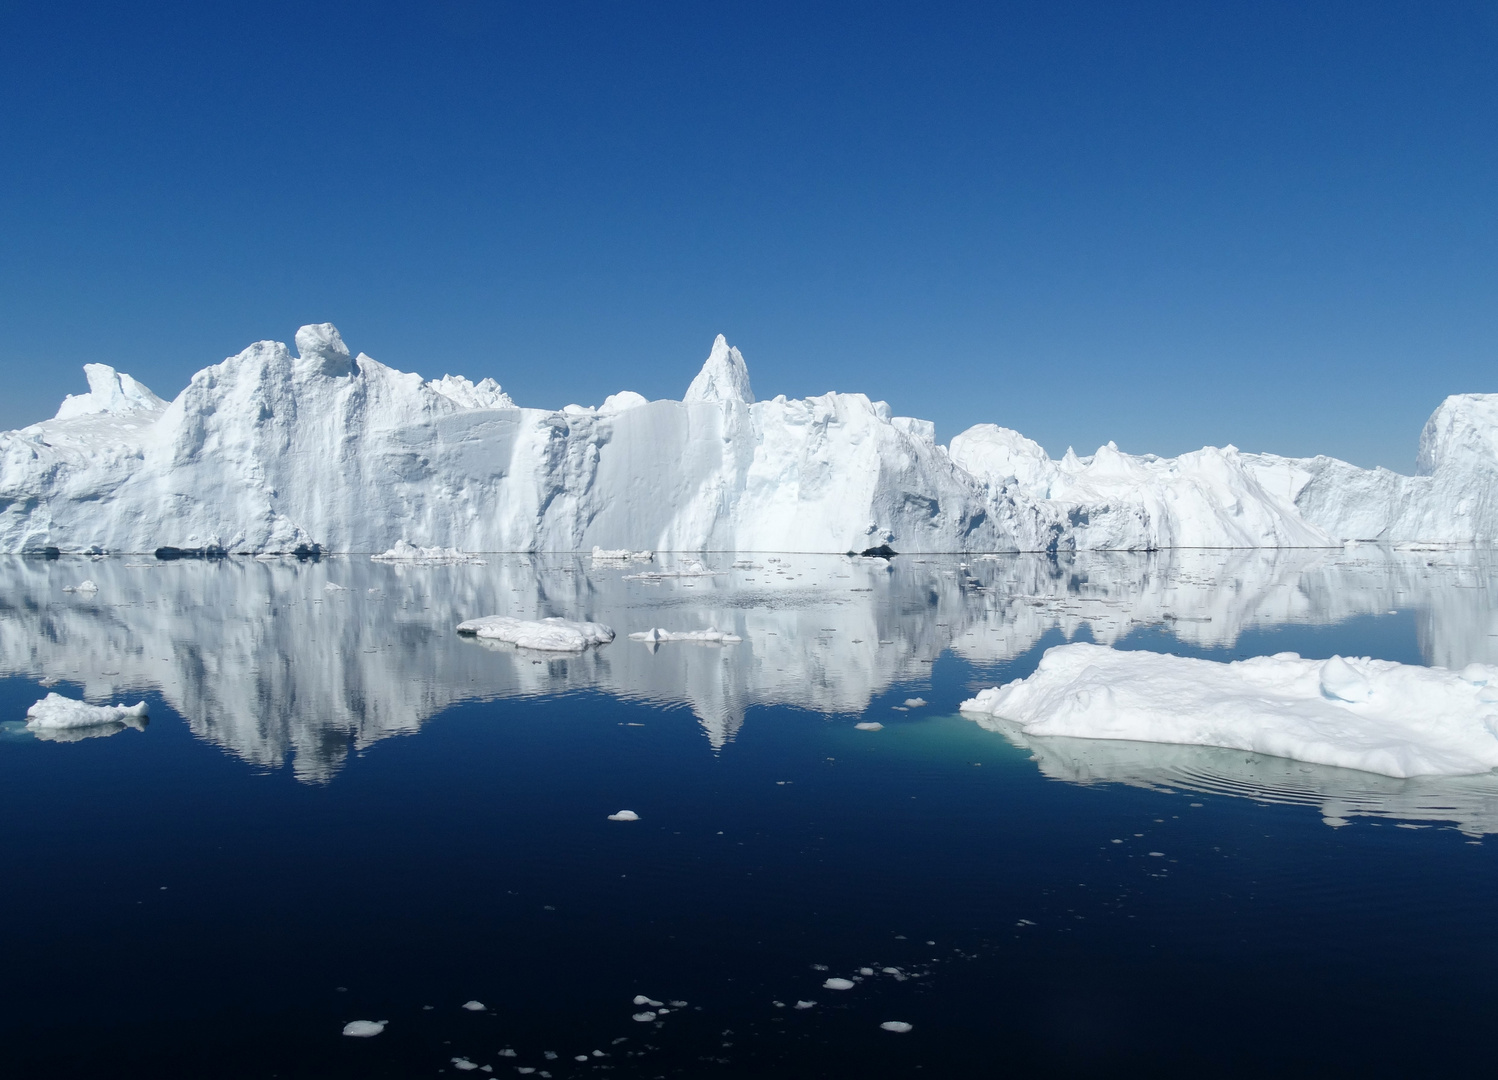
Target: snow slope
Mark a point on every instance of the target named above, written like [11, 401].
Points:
[1373, 715]
[272, 450]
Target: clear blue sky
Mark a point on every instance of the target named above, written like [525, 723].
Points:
[1272, 224]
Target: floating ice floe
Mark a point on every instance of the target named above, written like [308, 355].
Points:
[621, 555]
[1356, 713]
[334, 587]
[462, 1064]
[82, 587]
[474, 1006]
[626, 815]
[835, 983]
[898, 1026]
[914, 702]
[364, 1029]
[55, 712]
[548, 635]
[711, 636]
[869, 725]
[805, 1004]
[691, 570]
[406, 552]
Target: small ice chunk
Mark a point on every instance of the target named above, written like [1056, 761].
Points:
[364, 1029]
[507, 1052]
[644, 1017]
[711, 636]
[641, 999]
[805, 1004]
[49, 680]
[625, 815]
[55, 712]
[84, 587]
[525, 1070]
[836, 983]
[869, 725]
[914, 702]
[474, 1006]
[579, 1057]
[898, 1026]
[678, 1004]
[333, 587]
[547, 635]
[866, 971]
[406, 552]
[462, 1064]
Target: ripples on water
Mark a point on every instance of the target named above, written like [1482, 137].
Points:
[476, 861]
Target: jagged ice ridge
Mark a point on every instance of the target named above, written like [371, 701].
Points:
[269, 451]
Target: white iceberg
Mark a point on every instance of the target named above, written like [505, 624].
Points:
[621, 555]
[899, 1027]
[364, 1029]
[81, 587]
[711, 636]
[321, 450]
[55, 712]
[1377, 716]
[868, 725]
[627, 815]
[406, 552]
[548, 635]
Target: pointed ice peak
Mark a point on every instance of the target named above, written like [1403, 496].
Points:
[109, 391]
[725, 376]
[320, 345]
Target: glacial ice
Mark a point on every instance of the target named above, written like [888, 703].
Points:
[711, 636]
[56, 712]
[549, 635]
[1378, 716]
[322, 450]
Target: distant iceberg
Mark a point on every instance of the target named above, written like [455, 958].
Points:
[1377, 716]
[548, 635]
[58, 713]
[323, 451]
[711, 636]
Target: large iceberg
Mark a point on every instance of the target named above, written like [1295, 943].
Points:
[322, 450]
[1373, 715]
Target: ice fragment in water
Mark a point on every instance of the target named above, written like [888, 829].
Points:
[805, 1004]
[56, 712]
[869, 725]
[914, 702]
[711, 636]
[463, 1064]
[835, 983]
[507, 1052]
[544, 635]
[474, 1006]
[644, 1017]
[625, 815]
[364, 1029]
[899, 1026]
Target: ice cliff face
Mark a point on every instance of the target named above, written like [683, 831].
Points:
[270, 451]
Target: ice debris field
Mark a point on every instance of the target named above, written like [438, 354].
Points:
[1377, 716]
[323, 450]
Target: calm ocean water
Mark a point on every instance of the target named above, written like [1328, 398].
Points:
[340, 810]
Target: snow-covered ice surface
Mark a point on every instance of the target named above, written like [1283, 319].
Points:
[547, 635]
[1354, 713]
[273, 451]
[56, 712]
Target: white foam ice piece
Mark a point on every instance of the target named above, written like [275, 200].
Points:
[914, 702]
[711, 636]
[474, 1006]
[836, 983]
[547, 635]
[868, 725]
[55, 712]
[900, 1027]
[364, 1029]
[82, 587]
[462, 1064]
[406, 552]
[644, 1017]
[626, 815]
[1378, 716]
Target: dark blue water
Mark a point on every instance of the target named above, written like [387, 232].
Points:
[168, 908]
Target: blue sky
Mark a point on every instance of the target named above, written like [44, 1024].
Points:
[1272, 224]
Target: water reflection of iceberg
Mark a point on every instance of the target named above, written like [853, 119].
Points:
[1468, 802]
[91, 731]
[262, 658]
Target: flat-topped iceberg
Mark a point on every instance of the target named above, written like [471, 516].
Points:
[56, 713]
[320, 450]
[548, 635]
[406, 552]
[1354, 713]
